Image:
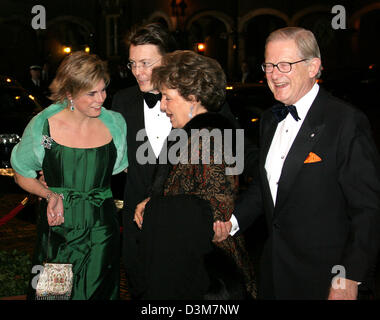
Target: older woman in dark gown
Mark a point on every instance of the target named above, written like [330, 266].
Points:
[190, 192]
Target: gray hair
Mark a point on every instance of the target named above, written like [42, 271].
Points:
[305, 40]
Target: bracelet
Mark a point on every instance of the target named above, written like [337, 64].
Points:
[48, 196]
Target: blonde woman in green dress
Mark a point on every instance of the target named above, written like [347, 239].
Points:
[79, 145]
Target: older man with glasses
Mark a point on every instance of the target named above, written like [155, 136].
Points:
[319, 183]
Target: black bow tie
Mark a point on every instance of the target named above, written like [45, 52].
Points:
[281, 111]
[151, 98]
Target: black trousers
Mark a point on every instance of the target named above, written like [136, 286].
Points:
[131, 256]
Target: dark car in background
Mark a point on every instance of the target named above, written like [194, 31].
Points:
[17, 107]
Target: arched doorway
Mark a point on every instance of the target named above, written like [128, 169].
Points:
[253, 34]
[67, 31]
[163, 19]
[19, 48]
[214, 29]
[332, 43]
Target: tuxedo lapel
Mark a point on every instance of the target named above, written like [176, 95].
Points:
[139, 111]
[139, 119]
[133, 109]
[306, 138]
[269, 127]
[268, 131]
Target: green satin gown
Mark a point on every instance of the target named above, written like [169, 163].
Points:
[89, 237]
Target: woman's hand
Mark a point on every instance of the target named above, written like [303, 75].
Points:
[37, 187]
[54, 210]
[139, 212]
[221, 230]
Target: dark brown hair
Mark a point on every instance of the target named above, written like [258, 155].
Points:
[192, 74]
[155, 34]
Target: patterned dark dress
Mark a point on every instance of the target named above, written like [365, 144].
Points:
[210, 182]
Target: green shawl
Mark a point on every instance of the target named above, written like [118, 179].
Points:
[28, 154]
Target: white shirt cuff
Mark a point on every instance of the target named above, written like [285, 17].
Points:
[235, 225]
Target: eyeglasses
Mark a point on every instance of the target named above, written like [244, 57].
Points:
[283, 67]
[143, 65]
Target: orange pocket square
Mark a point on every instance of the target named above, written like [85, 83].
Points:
[312, 157]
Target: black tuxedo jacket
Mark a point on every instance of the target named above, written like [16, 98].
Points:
[327, 213]
[130, 103]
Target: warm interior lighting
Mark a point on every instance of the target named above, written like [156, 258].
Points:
[87, 49]
[17, 97]
[9, 80]
[229, 88]
[31, 97]
[201, 47]
[66, 49]
[254, 120]
[8, 172]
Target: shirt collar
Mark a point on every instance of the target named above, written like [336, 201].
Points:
[154, 109]
[303, 105]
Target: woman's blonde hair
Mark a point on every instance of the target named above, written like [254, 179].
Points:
[77, 73]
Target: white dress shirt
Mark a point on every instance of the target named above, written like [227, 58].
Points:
[157, 126]
[282, 141]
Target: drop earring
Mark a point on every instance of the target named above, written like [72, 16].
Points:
[191, 112]
[71, 105]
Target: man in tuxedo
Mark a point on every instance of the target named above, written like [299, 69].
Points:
[140, 106]
[319, 184]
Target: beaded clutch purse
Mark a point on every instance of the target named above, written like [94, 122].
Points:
[55, 282]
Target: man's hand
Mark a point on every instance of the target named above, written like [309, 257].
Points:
[41, 179]
[222, 230]
[349, 290]
[139, 212]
